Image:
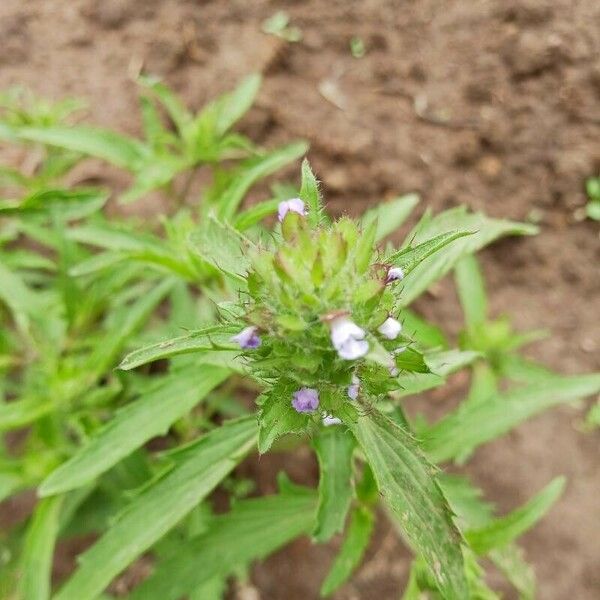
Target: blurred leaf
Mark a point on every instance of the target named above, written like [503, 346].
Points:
[407, 483]
[471, 292]
[390, 215]
[255, 214]
[424, 333]
[135, 424]
[309, 193]
[334, 447]
[473, 425]
[352, 550]
[160, 507]
[509, 560]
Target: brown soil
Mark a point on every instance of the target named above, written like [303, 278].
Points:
[494, 103]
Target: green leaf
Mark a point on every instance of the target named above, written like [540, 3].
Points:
[501, 531]
[20, 299]
[160, 507]
[309, 193]
[177, 112]
[134, 425]
[36, 559]
[254, 170]
[19, 413]
[117, 149]
[252, 530]
[390, 215]
[471, 292]
[277, 417]
[255, 214]
[424, 333]
[473, 425]
[222, 247]
[233, 106]
[353, 548]
[407, 482]
[334, 447]
[215, 337]
[437, 265]
[509, 560]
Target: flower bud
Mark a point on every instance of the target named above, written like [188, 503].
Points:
[329, 420]
[348, 339]
[293, 205]
[354, 388]
[390, 328]
[394, 274]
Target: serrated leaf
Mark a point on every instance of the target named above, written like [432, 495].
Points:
[250, 531]
[160, 507]
[407, 483]
[334, 447]
[436, 266]
[473, 425]
[134, 425]
[215, 337]
[252, 171]
[309, 193]
[390, 215]
[277, 417]
[503, 530]
[352, 550]
[38, 550]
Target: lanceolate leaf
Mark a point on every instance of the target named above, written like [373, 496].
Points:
[132, 426]
[334, 447]
[473, 425]
[36, 561]
[390, 215]
[252, 530]
[216, 337]
[309, 192]
[458, 219]
[407, 482]
[353, 547]
[471, 292]
[160, 507]
[501, 531]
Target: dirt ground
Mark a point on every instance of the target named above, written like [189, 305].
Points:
[494, 103]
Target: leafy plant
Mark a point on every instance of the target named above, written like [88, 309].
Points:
[311, 318]
[592, 187]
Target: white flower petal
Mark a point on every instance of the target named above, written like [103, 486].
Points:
[390, 328]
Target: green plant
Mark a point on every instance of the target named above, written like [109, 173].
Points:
[312, 318]
[592, 187]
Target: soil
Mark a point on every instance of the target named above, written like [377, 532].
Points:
[492, 103]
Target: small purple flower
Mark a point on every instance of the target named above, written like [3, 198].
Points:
[394, 274]
[293, 205]
[354, 388]
[390, 328]
[247, 338]
[329, 420]
[306, 400]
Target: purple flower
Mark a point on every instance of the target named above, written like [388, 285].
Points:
[329, 420]
[394, 274]
[293, 205]
[247, 338]
[390, 328]
[354, 388]
[306, 400]
[348, 339]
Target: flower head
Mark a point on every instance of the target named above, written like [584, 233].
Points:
[293, 205]
[353, 388]
[329, 420]
[390, 328]
[348, 338]
[306, 400]
[247, 338]
[394, 274]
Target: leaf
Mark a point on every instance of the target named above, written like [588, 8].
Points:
[134, 425]
[437, 265]
[309, 193]
[390, 215]
[473, 425]
[252, 530]
[407, 482]
[19, 413]
[20, 299]
[177, 112]
[160, 507]
[352, 550]
[424, 333]
[471, 292]
[233, 106]
[504, 530]
[255, 214]
[509, 560]
[277, 417]
[334, 447]
[222, 247]
[409, 258]
[36, 559]
[254, 170]
[117, 149]
[215, 337]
